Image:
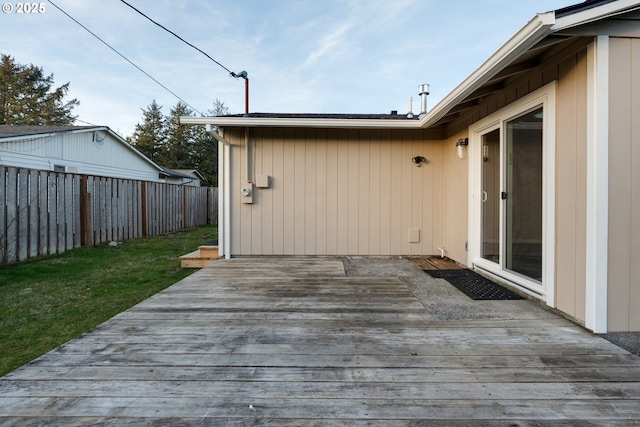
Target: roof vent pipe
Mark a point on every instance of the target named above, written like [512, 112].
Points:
[410, 108]
[423, 92]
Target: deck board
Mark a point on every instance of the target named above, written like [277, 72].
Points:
[294, 341]
[435, 263]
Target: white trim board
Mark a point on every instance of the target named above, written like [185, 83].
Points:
[597, 185]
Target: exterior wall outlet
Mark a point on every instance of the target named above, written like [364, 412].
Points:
[247, 193]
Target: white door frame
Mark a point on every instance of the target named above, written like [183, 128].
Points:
[545, 97]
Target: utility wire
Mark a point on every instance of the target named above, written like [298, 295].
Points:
[87, 123]
[231, 73]
[124, 57]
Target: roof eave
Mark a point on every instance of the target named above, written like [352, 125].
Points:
[222, 121]
[532, 33]
[51, 133]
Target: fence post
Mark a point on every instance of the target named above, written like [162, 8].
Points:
[86, 213]
[144, 210]
[185, 207]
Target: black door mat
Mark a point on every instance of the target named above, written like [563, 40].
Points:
[474, 285]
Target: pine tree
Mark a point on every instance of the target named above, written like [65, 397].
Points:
[150, 137]
[219, 109]
[27, 96]
[206, 148]
[205, 156]
[178, 146]
[180, 139]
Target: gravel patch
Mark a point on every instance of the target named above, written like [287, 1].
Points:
[439, 298]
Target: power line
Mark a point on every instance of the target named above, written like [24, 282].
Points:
[231, 73]
[242, 74]
[87, 123]
[124, 57]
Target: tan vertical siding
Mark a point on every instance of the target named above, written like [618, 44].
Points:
[385, 191]
[624, 185]
[454, 191]
[321, 192]
[571, 185]
[337, 192]
[264, 166]
[288, 183]
[634, 292]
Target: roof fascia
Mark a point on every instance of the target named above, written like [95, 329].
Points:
[595, 14]
[531, 34]
[221, 121]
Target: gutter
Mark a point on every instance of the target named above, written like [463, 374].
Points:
[222, 121]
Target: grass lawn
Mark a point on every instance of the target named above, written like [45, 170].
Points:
[46, 302]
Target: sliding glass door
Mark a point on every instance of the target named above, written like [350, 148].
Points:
[523, 198]
[511, 195]
[491, 196]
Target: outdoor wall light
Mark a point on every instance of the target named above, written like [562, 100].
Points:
[418, 160]
[461, 147]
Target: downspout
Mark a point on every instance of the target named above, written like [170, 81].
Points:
[227, 201]
[224, 195]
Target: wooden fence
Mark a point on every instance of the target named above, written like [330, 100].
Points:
[44, 213]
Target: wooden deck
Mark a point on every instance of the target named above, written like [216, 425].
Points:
[435, 263]
[294, 342]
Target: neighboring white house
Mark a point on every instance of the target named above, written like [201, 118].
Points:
[87, 150]
[190, 177]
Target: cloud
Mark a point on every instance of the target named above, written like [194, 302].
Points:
[329, 45]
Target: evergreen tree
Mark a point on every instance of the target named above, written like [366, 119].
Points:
[27, 96]
[206, 147]
[177, 146]
[180, 139]
[205, 156]
[150, 137]
[219, 109]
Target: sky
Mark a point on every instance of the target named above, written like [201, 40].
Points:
[301, 56]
